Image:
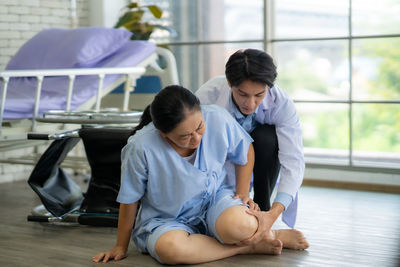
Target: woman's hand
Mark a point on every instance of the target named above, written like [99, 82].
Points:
[248, 201]
[126, 218]
[117, 253]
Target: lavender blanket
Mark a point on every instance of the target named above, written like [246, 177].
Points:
[21, 91]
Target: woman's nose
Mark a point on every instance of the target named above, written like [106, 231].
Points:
[196, 137]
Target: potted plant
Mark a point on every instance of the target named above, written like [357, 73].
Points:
[132, 20]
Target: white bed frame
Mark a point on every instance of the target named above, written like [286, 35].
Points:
[13, 133]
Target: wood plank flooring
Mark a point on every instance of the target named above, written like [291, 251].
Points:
[344, 228]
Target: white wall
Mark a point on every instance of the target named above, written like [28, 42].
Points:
[105, 12]
[21, 19]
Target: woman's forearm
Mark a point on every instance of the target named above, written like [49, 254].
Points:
[244, 173]
[126, 220]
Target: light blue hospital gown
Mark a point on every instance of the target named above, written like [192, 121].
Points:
[174, 194]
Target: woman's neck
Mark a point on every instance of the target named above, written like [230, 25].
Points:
[183, 152]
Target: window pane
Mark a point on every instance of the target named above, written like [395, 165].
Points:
[325, 131]
[376, 134]
[310, 18]
[376, 69]
[371, 17]
[197, 64]
[377, 127]
[313, 70]
[210, 20]
[324, 125]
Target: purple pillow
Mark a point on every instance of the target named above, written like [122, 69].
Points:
[68, 48]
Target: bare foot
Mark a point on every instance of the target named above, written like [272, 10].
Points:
[291, 238]
[267, 246]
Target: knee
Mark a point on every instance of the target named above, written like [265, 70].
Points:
[169, 249]
[235, 225]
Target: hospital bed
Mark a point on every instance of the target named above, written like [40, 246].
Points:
[66, 76]
[47, 90]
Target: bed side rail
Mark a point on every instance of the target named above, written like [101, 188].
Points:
[131, 74]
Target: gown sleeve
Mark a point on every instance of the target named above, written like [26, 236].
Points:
[238, 140]
[134, 174]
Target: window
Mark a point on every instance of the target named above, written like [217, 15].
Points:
[338, 60]
[208, 32]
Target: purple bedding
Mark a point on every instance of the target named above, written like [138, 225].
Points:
[69, 52]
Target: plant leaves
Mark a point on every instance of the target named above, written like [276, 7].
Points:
[124, 19]
[155, 10]
[133, 5]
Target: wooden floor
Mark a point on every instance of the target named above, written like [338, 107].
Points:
[344, 228]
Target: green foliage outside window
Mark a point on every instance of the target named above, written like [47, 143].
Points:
[331, 129]
[293, 73]
[376, 127]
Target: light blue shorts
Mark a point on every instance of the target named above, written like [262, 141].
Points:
[224, 199]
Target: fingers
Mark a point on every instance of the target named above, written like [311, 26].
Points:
[119, 257]
[244, 243]
[248, 201]
[114, 253]
[251, 203]
[98, 257]
[253, 212]
[107, 257]
[256, 207]
[102, 256]
[257, 237]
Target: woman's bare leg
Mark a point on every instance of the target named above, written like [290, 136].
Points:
[178, 247]
[231, 230]
[233, 226]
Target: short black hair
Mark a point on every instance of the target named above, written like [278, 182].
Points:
[169, 108]
[250, 64]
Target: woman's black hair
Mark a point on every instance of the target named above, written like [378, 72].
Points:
[250, 64]
[169, 108]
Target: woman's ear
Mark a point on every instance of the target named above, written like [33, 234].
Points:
[162, 134]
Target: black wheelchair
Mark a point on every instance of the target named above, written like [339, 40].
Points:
[62, 198]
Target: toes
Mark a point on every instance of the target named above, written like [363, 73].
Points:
[305, 245]
[302, 245]
[298, 234]
[278, 245]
